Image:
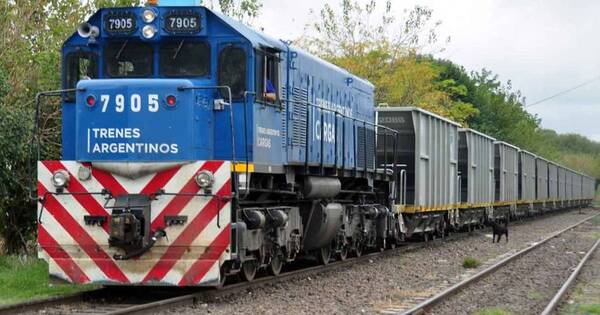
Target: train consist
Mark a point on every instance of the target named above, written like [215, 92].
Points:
[195, 148]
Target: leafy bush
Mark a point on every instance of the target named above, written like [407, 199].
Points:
[17, 212]
[470, 262]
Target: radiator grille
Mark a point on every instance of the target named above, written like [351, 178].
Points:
[299, 106]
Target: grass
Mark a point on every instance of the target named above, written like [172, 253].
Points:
[27, 278]
[492, 311]
[535, 295]
[470, 262]
[587, 309]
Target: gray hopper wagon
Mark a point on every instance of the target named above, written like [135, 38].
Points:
[475, 175]
[541, 184]
[506, 175]
[527, 183]
[428, 153]
[552, 202]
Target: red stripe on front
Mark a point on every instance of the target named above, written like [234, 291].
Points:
[62, 259]
[159, 181]
[108, 181]
[177, 204]
[208, 258]
[87, 201]
[189, 234]
[80, 235]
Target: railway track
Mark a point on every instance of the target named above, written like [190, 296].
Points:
[570, 281]
[141, 300]
[423, 305]
[113, 300]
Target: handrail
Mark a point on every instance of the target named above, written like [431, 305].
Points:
[35, 133]
[231, 121]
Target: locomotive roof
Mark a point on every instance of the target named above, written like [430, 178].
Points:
[260, 39]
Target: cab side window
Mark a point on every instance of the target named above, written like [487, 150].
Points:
[232, 71]
[79, 66]
[267, 76]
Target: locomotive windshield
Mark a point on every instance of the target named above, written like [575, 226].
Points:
[184, 58]
[128, 59]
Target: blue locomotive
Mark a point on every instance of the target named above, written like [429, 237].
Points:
[195, 148]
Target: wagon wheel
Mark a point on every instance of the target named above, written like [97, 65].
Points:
[443, 227]
[249, 269]
[324, 255]
[276, 264]
[391, 244]
[425, 237]
[382, 244]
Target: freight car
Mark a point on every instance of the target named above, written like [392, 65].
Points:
[195, 148]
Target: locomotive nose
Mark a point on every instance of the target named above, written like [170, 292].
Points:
[138, 119]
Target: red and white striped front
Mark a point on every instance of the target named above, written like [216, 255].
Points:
[191, 254]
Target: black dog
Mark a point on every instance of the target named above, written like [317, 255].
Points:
[499, 230]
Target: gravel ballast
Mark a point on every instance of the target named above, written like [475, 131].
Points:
[525, 285]
[584, 296]
[391, 282]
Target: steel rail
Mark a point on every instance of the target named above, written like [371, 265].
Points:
[38, 304]
[565, 287]
[209, 295]
[429, 303]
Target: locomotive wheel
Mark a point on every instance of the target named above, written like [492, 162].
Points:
[276, 265]
[324, 255]
[249, 269]
[223, 277]
[343, 254]
[358, 250]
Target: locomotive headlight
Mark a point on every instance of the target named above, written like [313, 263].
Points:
[148, 16]
[205, 179]
[60, 179]
[148, 31]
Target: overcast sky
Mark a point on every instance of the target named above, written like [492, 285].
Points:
[543, 46]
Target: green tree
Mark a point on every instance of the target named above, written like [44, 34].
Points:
[382, 49]
[243, 10]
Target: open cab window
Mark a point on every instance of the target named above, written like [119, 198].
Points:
[79, 66]
[267, 76]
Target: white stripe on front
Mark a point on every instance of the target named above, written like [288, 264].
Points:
[204, 239]
[66, 241]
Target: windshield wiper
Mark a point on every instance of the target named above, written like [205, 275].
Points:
[178, 49]
[121, 50]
